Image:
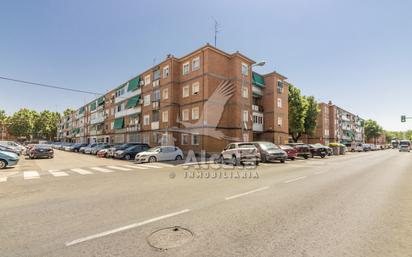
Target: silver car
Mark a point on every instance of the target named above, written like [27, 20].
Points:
[160, 153]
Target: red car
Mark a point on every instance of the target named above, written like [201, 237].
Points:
[291, 151]
[102, 153]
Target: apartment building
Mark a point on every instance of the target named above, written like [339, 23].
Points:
[201, 101]
[335, 124]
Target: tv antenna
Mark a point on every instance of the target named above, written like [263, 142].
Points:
[217, 29]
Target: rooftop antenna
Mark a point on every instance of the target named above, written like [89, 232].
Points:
[217, 27]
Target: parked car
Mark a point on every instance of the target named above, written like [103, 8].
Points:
[8, 159]
[115, 148]
[88, 147]
[270, 152]
[99, 147]
[68, 146]
[373, 147]
[160, 153]
[240, 153]
[318, 150]
[404, 146]
[40, 151]
[102, 153]
[290, 151]
[130, 152]
[366, 147]
[11, 144]
[9, 149]
[303, 150]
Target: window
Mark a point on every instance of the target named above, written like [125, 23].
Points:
[146, 120]
[185, 115]
[155, 116]
[245, 116]
[195, 88]
[165, 93]
[195, 139]
[196, 63]
[133, 120]
[185, 139]
[279, 104]
[120, 92]
[165, 116]
[186, 68]
[245, 92]
[156, 95]
[185, 91]
[166, 71]
[195, 113]
[280, 87]
[280, 121]
[245, 69]
[146, 100]
[146, 139]
[156, 74]
[147, 80]
[119, 108]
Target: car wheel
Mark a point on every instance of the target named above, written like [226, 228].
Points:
[282, 161]
[178, 158]
[306, 157]
[127, 157]
[322, 156]
[292, 159]
[3, 164]
[221, 160]
[152, 159]
[234, 161]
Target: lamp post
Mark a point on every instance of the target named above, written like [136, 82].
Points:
[242, 120]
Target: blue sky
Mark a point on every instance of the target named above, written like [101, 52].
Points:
[356, 53]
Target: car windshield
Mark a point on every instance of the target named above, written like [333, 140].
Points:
[268, 146]
[153, 149]
[130, 148]
[246, 145]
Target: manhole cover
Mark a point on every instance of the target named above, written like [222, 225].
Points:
[171, 237]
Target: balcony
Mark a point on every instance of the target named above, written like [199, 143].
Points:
[156, 105]
[97, 119]
[257, 91]
[133, 128]
[127, 95]
[257, 108]
[156, 83]
[257, 122]
[127, 112]
[155, 125]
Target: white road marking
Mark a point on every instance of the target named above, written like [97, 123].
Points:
[165, 164]
[150, 166]
[246, 193]
[3, 179]
[294, 179]
[135, 167]
[82, 171]
[31, 174]
[117, 168]
[58, 173]
[116, 230]
[102, 169]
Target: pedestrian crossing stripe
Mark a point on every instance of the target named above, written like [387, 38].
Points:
[82, 171]
[31, 174]
[58, 173]
[102, 169]
[117, 168]
[3, 179]
[135, 167]
[150, 166]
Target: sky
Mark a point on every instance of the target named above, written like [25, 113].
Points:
[358, 54]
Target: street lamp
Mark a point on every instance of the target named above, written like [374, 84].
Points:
[260, 64]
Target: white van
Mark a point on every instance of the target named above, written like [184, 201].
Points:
[404, 146]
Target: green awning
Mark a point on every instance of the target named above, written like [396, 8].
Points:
[134, 84]
[81, 110]
[100, 101]
[93, 106]
[258, 80]
[132, 102]
[118, 123]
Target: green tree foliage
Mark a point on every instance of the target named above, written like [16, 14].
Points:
[3, 117]
[68, 111]
[297, 113]
[312, 111]
[372, 130]
[21, 123]
[45, 125]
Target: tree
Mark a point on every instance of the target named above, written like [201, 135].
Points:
[297, 113]
[68, 111]
[372, 130]
[312, 111]
[3, 121]
[21, 123]
[45, 125]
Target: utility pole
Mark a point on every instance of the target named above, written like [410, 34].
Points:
[217, 26]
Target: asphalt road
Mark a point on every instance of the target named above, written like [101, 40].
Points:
[354, 205]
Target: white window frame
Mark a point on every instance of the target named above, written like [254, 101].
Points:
[147, 80]
[279, 103]
[146, 119]
[146, 100]
[185, 91]
[245, 92]
[195, 88]
[185, 115]
[195, 63]
[195, 113]
[165, 93]
[244, 69]
[165, 116]
[186, 68]
[166, 72]
[182, 139]
[280, 121]
[245, 115]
